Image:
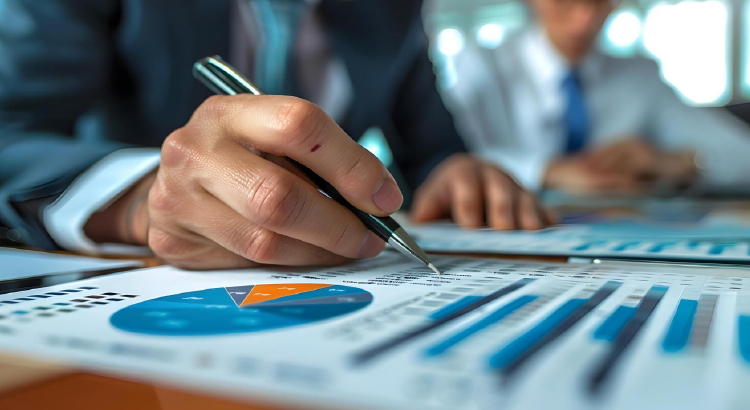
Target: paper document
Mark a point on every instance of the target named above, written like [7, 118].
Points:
[20, 264]
[579, 241]
[386, 334]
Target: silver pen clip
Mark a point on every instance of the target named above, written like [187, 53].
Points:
[220, 78]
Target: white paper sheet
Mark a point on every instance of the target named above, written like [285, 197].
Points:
[580, 241]
[19, 264]
[303, 349]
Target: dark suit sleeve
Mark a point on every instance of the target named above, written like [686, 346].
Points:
[420, 118]
[55, 59]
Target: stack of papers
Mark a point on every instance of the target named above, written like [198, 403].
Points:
[617, 240]
[386, 334]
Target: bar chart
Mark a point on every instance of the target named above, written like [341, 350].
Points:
[487, 334]
[657, 336]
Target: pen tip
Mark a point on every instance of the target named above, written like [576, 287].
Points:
[431, 266]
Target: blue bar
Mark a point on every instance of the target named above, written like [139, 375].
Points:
[523, 342]
[454, 307]
[625, 246]
[588, 245]
[659, 247]
[743, 331]
[679, 330]
[485, 322]
[611, 327]
[718, 249]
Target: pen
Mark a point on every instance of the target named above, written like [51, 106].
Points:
[221, 78]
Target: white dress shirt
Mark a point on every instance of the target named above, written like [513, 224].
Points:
[509, 103]
[328, 86]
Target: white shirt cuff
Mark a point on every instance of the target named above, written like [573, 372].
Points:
[94, 190]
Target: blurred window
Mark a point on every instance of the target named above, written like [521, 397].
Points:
[690, 40]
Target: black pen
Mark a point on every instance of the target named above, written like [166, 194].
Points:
[222, 78]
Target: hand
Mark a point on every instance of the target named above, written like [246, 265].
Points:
[629, 167]
[639, 160]
[576, 174]
[226, 197]
[476, 194]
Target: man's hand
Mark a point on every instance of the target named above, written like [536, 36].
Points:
[226, 197]
[630, 167]
[476, 194]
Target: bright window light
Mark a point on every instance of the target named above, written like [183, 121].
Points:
[690, 41]
[450, 41]
[490, 35]
[624, 29]
[374, 141]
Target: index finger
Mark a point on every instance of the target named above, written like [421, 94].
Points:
[300, 130]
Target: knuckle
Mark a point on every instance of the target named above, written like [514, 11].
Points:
[263, 246]
[166, 245]
[299, 122]
[273, 202]
[160, 197]
[238, 240]
[177, 148]
[214, 109]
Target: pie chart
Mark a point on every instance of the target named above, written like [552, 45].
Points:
[240, 309]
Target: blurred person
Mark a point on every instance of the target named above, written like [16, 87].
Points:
[85, 83]
[557, 113]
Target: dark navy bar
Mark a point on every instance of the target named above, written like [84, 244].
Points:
[515, 349]
[628, 333]
[482, 324]
[510, 359]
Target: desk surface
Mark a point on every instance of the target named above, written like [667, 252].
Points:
[28, 383]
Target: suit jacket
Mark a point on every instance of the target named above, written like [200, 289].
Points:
[82, 78]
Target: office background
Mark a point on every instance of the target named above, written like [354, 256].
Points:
[700, 46]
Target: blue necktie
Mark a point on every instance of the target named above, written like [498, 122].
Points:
[278, 21]
[576, 116]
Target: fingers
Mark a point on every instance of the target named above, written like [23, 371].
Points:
[619, 183]
[453, 189]
[189, 251]
[230, 230]
[634, 157]
[473, 193]
[273, 198]
[467, 196]
[205, 231]
[677, 166]
[298, 129]
[430, 202]
[223, 199]
[530, 216]
[509, 206]
[500, 193]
